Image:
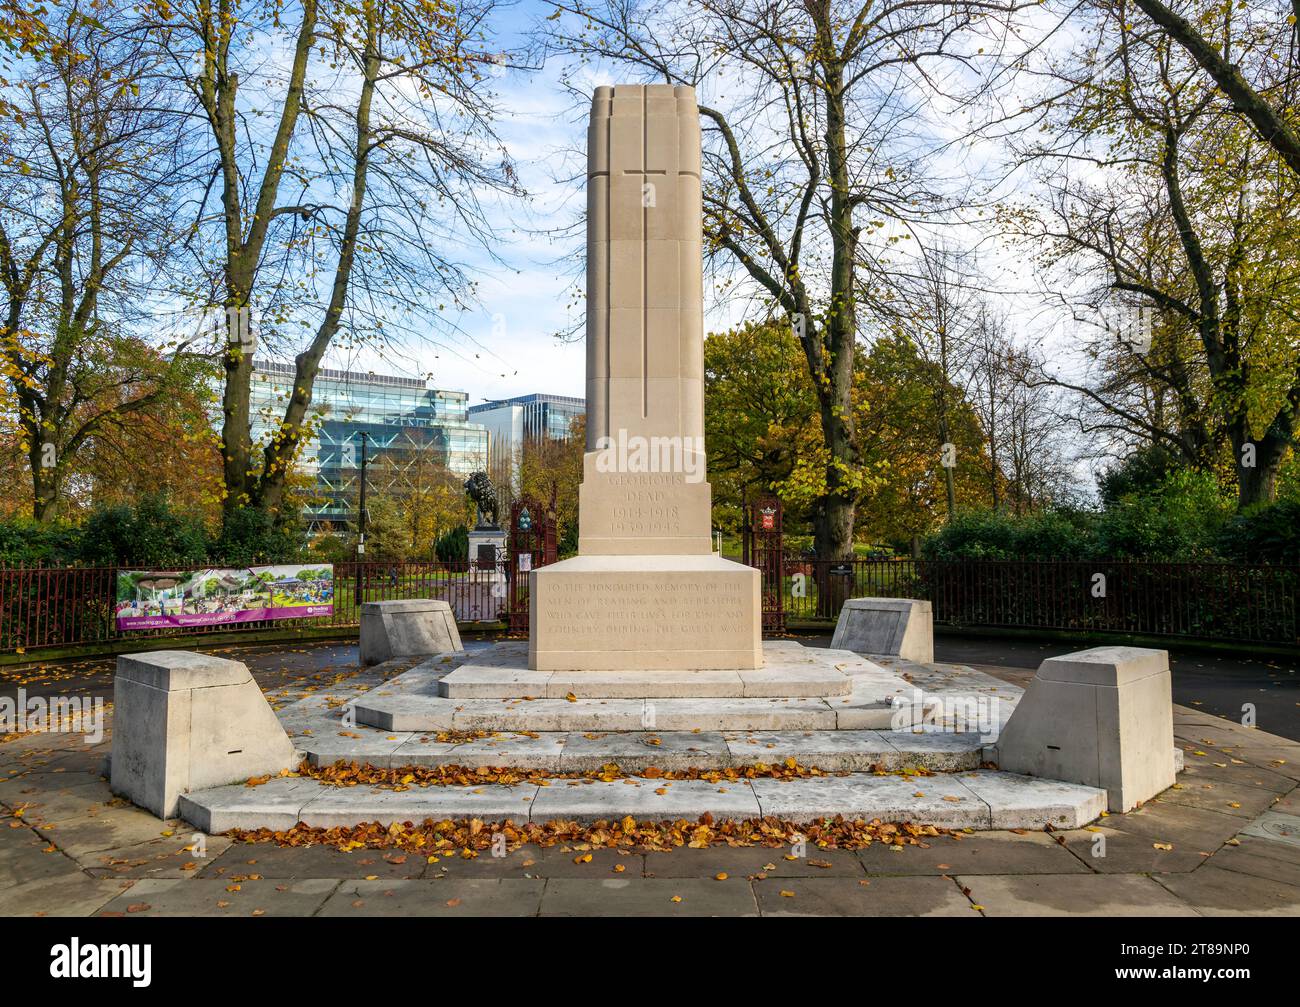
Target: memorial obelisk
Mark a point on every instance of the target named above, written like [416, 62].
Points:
[646, 590]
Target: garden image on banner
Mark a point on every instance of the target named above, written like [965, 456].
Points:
[152, 599]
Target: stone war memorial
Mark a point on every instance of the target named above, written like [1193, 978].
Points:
[645, 649]
[646, 592]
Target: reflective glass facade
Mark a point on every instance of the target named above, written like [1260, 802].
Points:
[408, 425]
[548, 416]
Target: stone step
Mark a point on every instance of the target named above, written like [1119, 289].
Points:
[975, 800]
[492, 689]
[424, 712]
[792, 680]
[635, 751]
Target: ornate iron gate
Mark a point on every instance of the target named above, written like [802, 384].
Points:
[762, 548]
[532, 544]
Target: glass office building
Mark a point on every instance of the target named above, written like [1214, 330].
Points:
[514, 422]
[539, 415]
[413, 433]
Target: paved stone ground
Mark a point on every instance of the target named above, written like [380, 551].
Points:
[1214, 845]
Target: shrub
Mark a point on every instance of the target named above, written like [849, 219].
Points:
[453, 546]
[987, 534]
[29, 543]
[327, 547]
[1178, 520]
[1265, 534]
[1141, 473]
[251, 535]
[568, 543]
[149, 533]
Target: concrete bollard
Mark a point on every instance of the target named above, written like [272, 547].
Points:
[901, 627]
[410, 628]
[184, 721]
[1102, 717]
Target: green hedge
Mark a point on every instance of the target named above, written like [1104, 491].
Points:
[152, 533]
[1184, 517]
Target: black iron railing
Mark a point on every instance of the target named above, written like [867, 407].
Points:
[56, 607]
[64, 607]
[1215, 601]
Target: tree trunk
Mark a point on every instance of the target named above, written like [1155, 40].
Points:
[1255, 485]
[834, 530]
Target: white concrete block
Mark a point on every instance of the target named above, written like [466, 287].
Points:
[410, 628]
[902, 627]
[1100, 717]
[184, 721]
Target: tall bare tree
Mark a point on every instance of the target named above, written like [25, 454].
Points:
[1185, 212]
[340, 217]
[88, 168]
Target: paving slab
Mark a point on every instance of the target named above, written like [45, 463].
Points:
[66, 895]
[551, 715]
[918, 896]
[1213, 891]
[173, 857]
[941, 751]
[1212, 795]
[276, 804]
[644, 800]
[1167, 822]
[404, 712]
[1247, 860]
[372, 747]
[834, 751]
[1260, 847]
[108, 828]
[1074, 895]
[648, 897]
[278, 862]
[1289, 803]
[1108, 850]
[218, 897]
[26, 856]
[856, 714]
[518, 751]
[491, 681]
[978, 853]
[749, 861]
[1238, 774]
[45, 803]
[1283, 761]
[661, 684]
[560, 861]
[445, 898]
[794, 681]
[739, 715]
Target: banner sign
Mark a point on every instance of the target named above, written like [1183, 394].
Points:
[157, 599]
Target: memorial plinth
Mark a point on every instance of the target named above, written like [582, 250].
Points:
[646, 589]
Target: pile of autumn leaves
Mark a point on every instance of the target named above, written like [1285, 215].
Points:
[467, 838]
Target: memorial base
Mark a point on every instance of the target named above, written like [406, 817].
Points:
[599, 613]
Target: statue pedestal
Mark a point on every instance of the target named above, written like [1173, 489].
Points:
[487, 547]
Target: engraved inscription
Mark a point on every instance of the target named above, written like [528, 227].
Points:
[659, 613]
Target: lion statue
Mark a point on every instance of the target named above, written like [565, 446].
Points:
[479, 488]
